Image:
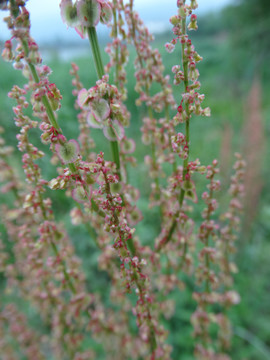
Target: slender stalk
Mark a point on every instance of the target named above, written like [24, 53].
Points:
[207, 258]
[167, 114]
[153, 146]
[185, 68]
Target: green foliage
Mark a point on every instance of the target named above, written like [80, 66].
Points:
[248, 22]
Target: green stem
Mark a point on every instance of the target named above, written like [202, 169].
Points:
[167, 114]
[92, 35]
[14, 8]
[116, 157]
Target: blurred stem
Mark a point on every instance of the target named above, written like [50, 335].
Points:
[253, 340]
[185, 68]
[207, 258]
[153, 146]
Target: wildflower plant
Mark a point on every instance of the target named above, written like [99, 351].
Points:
[42, 266]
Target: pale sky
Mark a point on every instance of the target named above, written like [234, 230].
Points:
[47, 24]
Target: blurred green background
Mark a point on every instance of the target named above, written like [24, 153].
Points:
[235, 77]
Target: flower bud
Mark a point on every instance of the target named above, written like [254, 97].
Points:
[193, 23]
[169, 47]
[7, 53]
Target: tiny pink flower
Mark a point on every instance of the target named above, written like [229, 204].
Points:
[169, 47]
[206, 112]
[7, 53]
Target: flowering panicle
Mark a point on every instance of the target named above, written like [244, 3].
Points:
[149, 71]
[63, 265]
[148, 64]
[117, 49]
[185, 74]
[16, 326]
[215, 268]
[231, 218]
